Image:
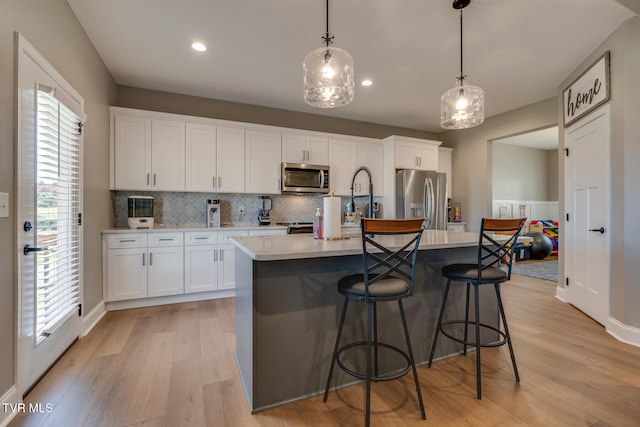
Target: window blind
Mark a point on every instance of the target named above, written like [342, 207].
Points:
[57, 213]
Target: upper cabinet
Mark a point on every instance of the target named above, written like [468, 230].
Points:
[149, 154]
[230, 153]
[201, 155]
[262, 162]
[444, 165]
[299, 148]
[412, 153]
[346, 155]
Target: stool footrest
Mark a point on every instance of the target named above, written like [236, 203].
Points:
[387, 376]
[502, 341]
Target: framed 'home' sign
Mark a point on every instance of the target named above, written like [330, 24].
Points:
[587, 92]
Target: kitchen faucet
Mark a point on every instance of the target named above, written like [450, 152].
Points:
[370, 195]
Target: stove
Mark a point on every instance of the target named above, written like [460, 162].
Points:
[298, 227]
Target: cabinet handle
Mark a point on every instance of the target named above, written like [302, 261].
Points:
[166, 239]
[128, 241]
[150, 258]
[201, 238]
[144, 258]
[221, 254]
[419, 161]
[147, 179]
[416, 161]
[154, 179]
[219, 182]
[215, 255]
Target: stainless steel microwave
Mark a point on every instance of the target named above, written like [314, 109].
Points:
[304, 178]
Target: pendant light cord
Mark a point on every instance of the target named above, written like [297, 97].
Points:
[327, 39]
[462, 76]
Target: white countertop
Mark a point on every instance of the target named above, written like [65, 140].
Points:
[195, 227]
[298, 246]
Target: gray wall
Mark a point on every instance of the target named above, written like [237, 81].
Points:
[625, 173]
[52, 28]
[523, 173]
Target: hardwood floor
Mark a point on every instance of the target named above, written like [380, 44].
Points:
[174, 366]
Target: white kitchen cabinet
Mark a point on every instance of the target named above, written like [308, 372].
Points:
[132, 152]
[201, 157]
[343, 157]
[141, 265]
[370, 155]
[299, 148]
[230, 152]
[149, 153]
[444, 165]
[414, 153]
[201, 267]
[262, 162]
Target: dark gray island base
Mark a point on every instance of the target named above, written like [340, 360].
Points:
[288, 308]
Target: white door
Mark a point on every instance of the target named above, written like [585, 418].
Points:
[49, 207]
[262, 162]
[587, 254]
[230, 160]
[167, 154]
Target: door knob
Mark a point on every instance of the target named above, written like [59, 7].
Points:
[600, 230]
[28, 248]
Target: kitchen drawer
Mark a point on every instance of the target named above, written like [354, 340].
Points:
[127, 240]
[192, 238]
[165, 239]
[223, 236]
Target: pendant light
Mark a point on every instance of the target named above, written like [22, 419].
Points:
[328, 75]
[463, 106]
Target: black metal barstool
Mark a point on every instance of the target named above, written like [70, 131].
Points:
[388, 276]
[492, 252]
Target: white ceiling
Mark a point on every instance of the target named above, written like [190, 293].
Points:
[518, 51]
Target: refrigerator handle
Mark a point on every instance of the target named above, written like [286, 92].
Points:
[432, 200]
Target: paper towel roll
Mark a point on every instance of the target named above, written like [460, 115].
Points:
[332, 218]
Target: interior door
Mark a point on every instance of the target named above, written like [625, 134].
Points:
[588, 253]
[49, 202]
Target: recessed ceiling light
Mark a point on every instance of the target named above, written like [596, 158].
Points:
[366, 82]
[200, 47]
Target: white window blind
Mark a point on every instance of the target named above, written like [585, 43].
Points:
[57, 213]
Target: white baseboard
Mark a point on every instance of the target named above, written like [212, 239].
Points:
[8, 401]
[173, 299]
[622, 332]
[561, 293]
[92, 318]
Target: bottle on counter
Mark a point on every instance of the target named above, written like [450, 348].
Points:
[318, 225]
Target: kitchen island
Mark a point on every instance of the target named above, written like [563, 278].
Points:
[288, 308]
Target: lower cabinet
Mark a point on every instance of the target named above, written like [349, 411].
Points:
[141, 265]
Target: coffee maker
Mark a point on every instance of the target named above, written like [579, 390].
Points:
[263, 213]
[213, 213]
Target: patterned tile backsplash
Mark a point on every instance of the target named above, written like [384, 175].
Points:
[189, 209]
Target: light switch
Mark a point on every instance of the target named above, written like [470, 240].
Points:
[4, 205]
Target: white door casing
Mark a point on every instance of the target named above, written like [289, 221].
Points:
[36, 351]
[587, 241]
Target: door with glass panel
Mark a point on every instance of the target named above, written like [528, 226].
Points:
[49, 200]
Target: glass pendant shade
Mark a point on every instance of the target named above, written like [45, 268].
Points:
[328, 77]
[462, 107]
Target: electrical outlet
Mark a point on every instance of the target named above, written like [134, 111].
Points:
[241, 210]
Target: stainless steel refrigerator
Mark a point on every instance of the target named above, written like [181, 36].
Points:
[422, 194]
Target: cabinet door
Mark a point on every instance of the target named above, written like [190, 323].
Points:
[371, 156]
[132, 153]
[200, 268]
[342, 160]
[317, 150]
[226, 267]
[230, 160]
[427, 155]
[200, 158]
[167, 155]
[406, 156]
[126, 274]
[262, 162]
[294, 148]
[166, 271]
